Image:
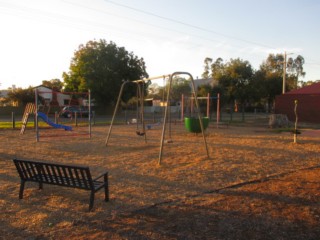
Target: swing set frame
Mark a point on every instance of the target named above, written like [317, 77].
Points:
[140, 83]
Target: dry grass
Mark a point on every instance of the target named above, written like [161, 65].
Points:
[255, 185]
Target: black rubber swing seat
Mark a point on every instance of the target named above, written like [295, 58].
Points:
[140, 133]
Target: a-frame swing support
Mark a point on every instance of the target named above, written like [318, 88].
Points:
[166, 109]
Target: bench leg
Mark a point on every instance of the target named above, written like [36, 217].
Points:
[91, 200]
[40, 185]
[106, 188]
[21, 189]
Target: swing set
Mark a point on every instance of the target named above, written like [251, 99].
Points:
[140, 117]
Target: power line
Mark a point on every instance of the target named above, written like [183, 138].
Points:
[187, 24]
[85, 24]
[196, 27]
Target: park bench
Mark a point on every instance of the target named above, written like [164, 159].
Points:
[74, 176]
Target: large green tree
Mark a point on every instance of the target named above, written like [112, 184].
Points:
[102, 66]
[207, 62]
[234, 77]
[21, 96]
[271, 76]
[54, 84]
[295, 67]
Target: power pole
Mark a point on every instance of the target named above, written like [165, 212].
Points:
[284, 73]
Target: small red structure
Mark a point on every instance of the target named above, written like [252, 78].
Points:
[309, 103]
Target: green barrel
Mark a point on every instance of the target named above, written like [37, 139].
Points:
[192, 124]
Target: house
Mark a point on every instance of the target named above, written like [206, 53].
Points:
[308, 108]
[204, 81]
[51, 97]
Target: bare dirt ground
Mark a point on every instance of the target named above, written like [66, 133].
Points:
[256, 184]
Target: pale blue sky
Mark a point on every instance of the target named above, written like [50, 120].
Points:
[39, 37]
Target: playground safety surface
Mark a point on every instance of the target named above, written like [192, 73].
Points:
[257, 184]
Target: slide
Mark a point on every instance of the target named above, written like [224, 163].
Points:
[52, 124]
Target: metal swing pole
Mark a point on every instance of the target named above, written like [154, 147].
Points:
[164, 122]
[141, 115]
[115, 111]
[36, 114]
[199, 115]
[90, 127]
[166, 113]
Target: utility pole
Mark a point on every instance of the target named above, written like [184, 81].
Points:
[284, 73]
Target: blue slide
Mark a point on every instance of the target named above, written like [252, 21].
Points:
[52, 124]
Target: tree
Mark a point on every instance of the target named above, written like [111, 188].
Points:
[271, 77]
[217, 68]
[273, 64]
[266, 85]
[54, 84]
[21, 96]
[179, 86]
[235, 78]
[207, 62]
[203, 90]
[295, 66]
[153, 89]
[102, 67]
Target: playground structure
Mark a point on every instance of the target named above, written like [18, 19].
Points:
[32, 109]
[49, 96]
[191, 123]
[140, 85]
[29, 109]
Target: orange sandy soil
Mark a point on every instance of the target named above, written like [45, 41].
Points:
[256, 184]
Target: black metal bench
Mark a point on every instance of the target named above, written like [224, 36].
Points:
[74, 176]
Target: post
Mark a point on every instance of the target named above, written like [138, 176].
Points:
[76, 118]
[191, 99]
[56, 117]
[208, 105]
[296, 122]
[36, 114]
[93, 118]
[182, 107]
[218, 109]
[89, 108]
[13, 120]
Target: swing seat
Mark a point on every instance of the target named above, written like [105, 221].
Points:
[296, 131]
[140, 133]
[192, 124]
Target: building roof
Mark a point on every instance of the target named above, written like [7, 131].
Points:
[310, 89]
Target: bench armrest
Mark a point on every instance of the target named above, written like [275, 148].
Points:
[101, 175]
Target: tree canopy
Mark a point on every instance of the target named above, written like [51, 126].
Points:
[54, 84]
[234, 78]
[238, 81]
[102, 67]
[21, 96]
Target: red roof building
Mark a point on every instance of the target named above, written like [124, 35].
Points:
[308, 108]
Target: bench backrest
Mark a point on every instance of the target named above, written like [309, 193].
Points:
[53, 173]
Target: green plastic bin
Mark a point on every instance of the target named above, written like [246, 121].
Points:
[192, 124]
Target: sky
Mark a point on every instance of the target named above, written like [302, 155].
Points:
[39, 37]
